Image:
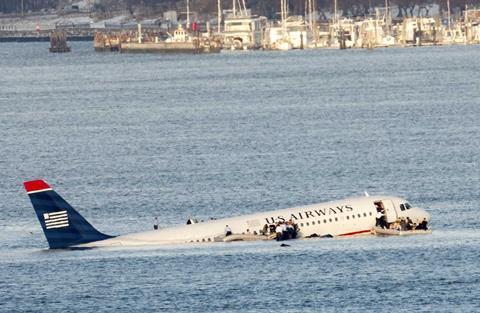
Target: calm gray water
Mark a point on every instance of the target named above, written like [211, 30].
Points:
[125, 138]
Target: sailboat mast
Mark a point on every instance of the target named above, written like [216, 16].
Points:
[314, 21]
[335, 11]
[448, 16]
[310, 21]
[219, 15]
[387, 17]
[244, 7]
[188, 14]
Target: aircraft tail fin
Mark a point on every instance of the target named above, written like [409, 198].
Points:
[62, 225]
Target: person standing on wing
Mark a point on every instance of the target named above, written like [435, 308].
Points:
[228, 231]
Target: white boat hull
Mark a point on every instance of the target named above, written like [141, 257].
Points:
[394, 232]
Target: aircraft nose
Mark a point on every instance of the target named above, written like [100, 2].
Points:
[424, 214]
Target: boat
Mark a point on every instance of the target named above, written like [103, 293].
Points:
[243, 30]
[396, 232]
[283, 42]
[283, 45]
[108, 42]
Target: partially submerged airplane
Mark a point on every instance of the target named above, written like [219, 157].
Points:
[65, 228]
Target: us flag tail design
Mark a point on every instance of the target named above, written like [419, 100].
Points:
[62, 224]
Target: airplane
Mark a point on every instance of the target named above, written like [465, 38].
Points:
[65, 228]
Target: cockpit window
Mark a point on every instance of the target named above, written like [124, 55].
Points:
[408, 206]
[402, 207]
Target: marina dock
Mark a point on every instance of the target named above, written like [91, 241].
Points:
[181, 41]
[237, 28]
[165, 47]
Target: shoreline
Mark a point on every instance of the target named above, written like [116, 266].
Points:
[44, 38]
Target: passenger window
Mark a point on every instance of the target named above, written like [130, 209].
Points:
[359, 215]
[325, 221]
[353, 216]
[336, 219]
[313, 222]
[370, 213]
[330, 220]
[301, 224]
[408, 206]
[348, 217]
[308, 224]
[402, 207]
[318, 222]
[365, 214]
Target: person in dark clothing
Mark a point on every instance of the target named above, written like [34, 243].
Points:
[279, 231]
[423, 225]
[265, 229]
[284, 231]
[410, 225]
[272, 228]
[380, 217]
[290, 230]
[381, 221]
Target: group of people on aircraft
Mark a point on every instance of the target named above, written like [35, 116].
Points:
[281, 230]
[228, 231]
[401, 223]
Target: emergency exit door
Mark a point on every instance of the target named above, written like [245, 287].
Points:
[390, 211]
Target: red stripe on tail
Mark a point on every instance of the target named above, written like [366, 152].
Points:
[35, 185]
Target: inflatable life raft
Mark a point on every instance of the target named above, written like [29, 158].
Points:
[394, 232]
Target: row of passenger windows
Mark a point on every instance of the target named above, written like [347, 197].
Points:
[325, 221]
[330, 220]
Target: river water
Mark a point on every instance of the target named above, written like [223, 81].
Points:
[125, 138]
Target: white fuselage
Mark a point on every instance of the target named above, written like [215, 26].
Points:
[339, 218]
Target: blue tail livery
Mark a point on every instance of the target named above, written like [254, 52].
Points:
[62, 224]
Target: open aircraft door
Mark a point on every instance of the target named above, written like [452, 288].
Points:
[390, 211]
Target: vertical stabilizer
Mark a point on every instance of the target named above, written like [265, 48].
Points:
[62, 225]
